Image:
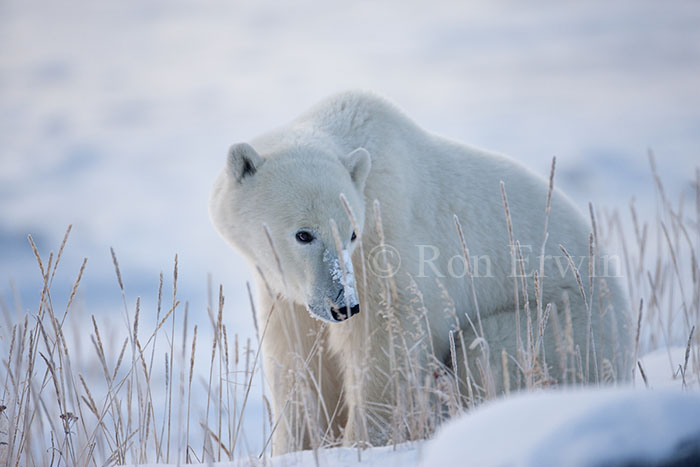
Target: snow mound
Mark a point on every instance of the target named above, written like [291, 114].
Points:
[406, 454]
[575, 428]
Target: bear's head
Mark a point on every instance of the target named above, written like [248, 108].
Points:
[284, 213]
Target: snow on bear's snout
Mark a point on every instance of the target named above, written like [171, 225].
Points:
[341, 301]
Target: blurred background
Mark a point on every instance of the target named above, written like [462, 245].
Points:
[115, 117]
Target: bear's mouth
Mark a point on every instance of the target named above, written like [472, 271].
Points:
[341, 314]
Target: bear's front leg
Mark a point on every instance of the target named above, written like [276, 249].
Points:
[303, 378]
[389, 370]
[374, 379]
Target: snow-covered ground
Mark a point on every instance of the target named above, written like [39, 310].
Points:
[576, 428]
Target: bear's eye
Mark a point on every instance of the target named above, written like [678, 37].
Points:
[304, 237]
[354, 237]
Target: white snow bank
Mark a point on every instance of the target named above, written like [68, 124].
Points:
[404, 455]
[407, 454]
[572, 428]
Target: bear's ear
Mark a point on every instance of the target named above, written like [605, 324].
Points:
[358, 163]
[243, 161]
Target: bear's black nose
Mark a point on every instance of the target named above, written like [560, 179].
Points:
[341, 314]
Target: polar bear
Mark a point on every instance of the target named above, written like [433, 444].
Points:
[382, 251]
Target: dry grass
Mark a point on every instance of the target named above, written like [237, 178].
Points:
[114, 406]
[58, 407]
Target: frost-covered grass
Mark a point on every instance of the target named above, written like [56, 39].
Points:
[158, 388]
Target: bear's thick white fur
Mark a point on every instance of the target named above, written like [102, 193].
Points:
[361, 146]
